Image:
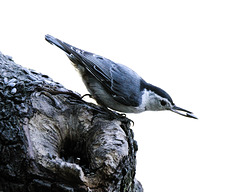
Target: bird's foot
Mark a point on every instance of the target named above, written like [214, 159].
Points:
[89, 95]
[111, 115]
[120, 116]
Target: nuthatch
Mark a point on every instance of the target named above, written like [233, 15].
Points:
[116, 86]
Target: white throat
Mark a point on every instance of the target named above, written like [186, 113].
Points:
[150, 101]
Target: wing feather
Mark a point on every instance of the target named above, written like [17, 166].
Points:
[118, 80]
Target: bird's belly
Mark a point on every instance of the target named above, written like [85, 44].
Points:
[103, 98]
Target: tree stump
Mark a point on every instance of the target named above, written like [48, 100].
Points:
[52, 140]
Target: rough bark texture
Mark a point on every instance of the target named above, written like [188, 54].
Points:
[52, 140]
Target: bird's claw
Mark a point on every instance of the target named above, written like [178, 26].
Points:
[89, 95]
[111, 115]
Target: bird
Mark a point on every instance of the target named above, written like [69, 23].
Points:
[115, 85]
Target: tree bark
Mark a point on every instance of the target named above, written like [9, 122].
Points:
[52, 140]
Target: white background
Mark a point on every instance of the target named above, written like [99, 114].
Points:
[191, 49]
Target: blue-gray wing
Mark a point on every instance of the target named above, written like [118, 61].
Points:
[118, 80]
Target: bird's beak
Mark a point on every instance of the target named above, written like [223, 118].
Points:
[180, 111]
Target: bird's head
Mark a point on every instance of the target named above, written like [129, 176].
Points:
[156, 99]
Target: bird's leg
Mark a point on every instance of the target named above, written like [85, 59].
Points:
[111, 115]
[120, 116]
[114, 114]
[89, 95]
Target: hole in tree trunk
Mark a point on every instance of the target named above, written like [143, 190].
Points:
[74, 151]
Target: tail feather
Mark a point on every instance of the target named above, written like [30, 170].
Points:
[57, 42]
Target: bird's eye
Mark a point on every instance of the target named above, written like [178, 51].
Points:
[163, 102]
